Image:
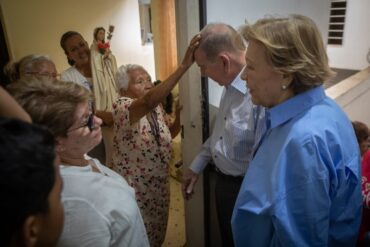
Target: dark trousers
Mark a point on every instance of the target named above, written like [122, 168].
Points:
[226, 191]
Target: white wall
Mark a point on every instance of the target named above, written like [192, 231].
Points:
[36, 27]
[356, 40]
[236, 12]
[353, 95]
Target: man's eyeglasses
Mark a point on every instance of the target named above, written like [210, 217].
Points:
[89, 123]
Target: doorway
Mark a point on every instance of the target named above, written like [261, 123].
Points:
[163, 29]
[4, 54]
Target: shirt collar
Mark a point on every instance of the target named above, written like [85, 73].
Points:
[239, 84]
[283, 112]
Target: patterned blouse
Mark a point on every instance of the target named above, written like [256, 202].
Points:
[142, 152]
[365, 221]
[366, 179]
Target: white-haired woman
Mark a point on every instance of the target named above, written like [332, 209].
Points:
[31, 65]
[142, 140]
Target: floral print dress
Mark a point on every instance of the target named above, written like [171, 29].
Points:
[365, 221]
[142, 157]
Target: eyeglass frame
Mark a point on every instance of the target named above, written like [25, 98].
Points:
[89, 123]
[50, 75]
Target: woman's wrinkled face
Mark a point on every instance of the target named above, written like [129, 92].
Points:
[100, 35]
[45, 69]
[48, 68]
[140, 83]
[78, 50]
[263, 81]
[80, 139]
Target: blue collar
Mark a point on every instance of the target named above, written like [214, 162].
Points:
[287, 110]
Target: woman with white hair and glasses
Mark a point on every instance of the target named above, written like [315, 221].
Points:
[31, 65]
[303, 186]
[100, 207]
[142, 140]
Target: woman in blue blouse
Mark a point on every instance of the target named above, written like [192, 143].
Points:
[303, 187]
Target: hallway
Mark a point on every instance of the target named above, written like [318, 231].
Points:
[175, 236]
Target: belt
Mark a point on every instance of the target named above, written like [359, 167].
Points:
[229, 177]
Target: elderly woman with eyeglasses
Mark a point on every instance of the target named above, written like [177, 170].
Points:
[31, 65]
[142, 140]
[100, 207]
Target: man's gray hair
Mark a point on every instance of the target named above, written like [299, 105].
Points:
[218, 37]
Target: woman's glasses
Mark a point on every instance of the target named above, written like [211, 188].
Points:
[44, 74]
[89, 123]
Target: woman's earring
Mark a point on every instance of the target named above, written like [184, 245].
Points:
[59, 148]
[284, 87]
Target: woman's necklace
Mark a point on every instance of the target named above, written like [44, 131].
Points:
[81, 163]
[154, 126]
[95, 168]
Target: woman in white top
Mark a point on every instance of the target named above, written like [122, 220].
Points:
[100, 207]
[78, 54]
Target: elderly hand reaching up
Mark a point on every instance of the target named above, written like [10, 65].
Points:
[188, 59]
[142, 148]
[147, 97]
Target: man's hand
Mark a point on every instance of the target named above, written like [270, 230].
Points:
[188, 183]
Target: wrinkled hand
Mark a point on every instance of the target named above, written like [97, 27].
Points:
[188, 59]
[188, 182]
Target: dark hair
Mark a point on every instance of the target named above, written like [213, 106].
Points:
[26, 174]
[63, 41]
[96, 30]
[361, 130]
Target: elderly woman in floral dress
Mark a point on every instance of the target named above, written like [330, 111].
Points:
[142, 140]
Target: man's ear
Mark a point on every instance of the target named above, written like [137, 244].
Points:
[225, 62]
[31, 230]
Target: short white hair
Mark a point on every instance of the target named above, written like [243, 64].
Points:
[28, 64]
[122, 75]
